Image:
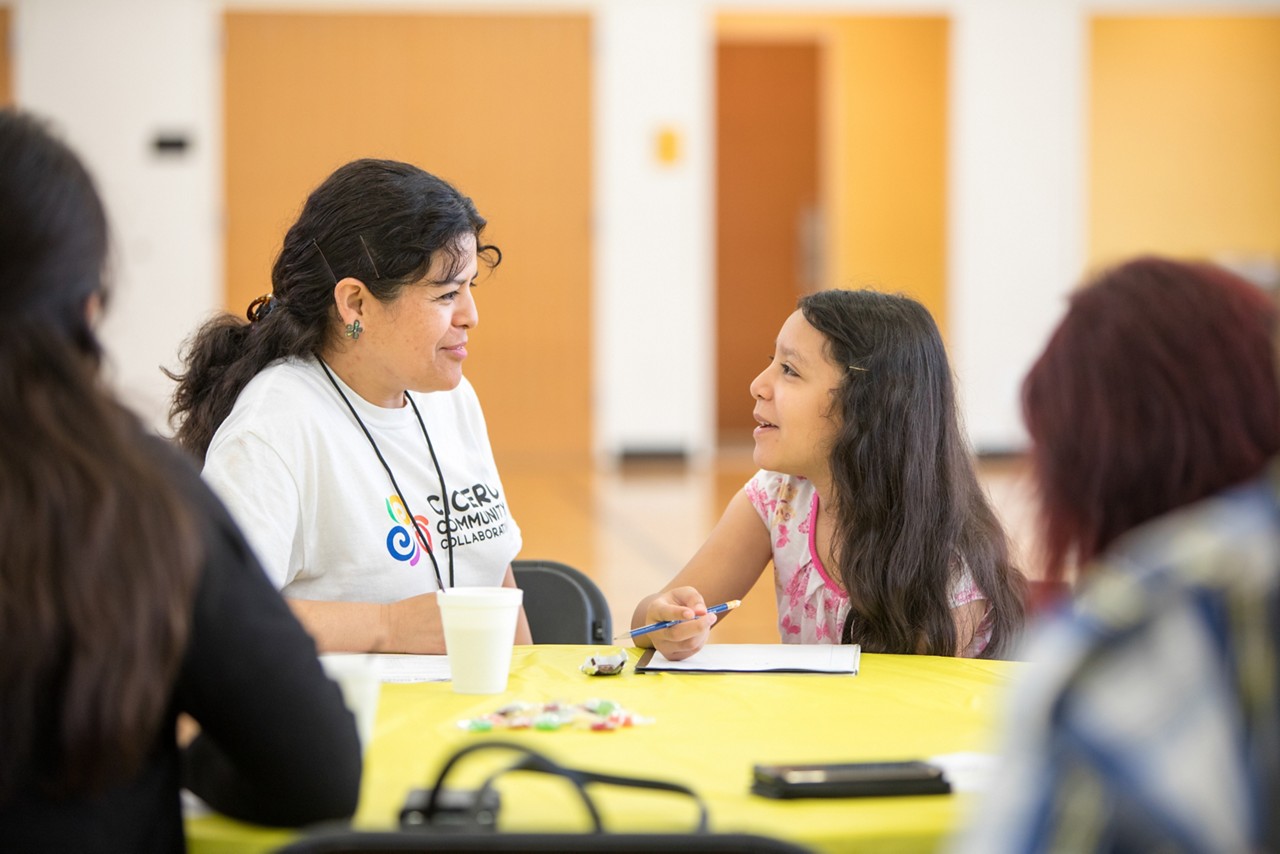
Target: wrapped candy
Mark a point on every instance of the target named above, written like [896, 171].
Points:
[607, 663]
[595, 714]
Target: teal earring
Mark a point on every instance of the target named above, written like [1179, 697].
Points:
[354, 329]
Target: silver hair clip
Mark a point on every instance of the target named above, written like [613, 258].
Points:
[856, 368]
[369, 255]
[325, 260]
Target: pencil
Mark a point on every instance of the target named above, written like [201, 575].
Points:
[666, 624]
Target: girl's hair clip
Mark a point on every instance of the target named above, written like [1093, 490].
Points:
[856, 368]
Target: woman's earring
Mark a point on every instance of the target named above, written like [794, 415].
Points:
[354, 329]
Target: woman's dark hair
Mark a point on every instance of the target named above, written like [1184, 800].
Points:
[98, 553]
[909, 511]
[1157, 389]
[380, 221]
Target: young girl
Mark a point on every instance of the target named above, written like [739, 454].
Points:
[867, 502]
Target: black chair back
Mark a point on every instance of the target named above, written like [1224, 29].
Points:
[563, 605]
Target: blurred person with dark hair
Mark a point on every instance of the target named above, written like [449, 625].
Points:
[337, 424]
[1149, 719]
[127, 595]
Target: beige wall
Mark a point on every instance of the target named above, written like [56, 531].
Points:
[1019, 131]
[498, 105]
[1184, 139]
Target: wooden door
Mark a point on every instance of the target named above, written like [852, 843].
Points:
[6, 56]
[766, 208]
[498, 105]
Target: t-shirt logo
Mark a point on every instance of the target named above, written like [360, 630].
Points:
[400, 543]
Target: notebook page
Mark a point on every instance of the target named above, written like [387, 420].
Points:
[763, 658]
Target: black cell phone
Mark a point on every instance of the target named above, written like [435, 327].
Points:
[849, 780]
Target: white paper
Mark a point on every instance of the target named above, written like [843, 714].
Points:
[395, 667]
[192, 806]
[967, 771]
[763, 658]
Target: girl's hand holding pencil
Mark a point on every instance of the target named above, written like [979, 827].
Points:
[678, 622]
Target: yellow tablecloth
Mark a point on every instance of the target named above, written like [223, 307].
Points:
[707, 732]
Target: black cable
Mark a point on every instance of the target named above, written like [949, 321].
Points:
[531, 760]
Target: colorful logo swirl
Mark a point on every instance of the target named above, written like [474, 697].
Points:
[400, 542]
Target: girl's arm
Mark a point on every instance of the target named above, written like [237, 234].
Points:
[724, 568]
[410, 625]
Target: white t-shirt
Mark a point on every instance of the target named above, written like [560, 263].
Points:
[305, 485]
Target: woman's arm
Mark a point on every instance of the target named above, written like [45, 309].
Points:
[724, 568]
[410, 625]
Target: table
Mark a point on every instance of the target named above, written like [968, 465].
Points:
[707, 732]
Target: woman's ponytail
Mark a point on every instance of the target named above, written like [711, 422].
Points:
[225, 354]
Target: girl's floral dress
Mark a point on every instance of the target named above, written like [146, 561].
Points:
[811, 606]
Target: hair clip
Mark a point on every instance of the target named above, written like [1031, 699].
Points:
[856, 368]
[369, 255]
[261, 307]
[320, 252]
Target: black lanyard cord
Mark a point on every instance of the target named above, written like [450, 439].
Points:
[444, 492]
[413, 521]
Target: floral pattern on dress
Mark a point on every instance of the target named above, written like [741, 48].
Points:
[811, 605]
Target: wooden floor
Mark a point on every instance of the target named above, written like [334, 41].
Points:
[633, 526]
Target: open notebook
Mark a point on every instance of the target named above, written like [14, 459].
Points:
[759, 658]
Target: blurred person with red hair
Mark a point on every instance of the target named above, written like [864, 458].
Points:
[1150, 717]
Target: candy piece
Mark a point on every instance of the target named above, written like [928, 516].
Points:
[547, 722]
[595, 714]
[609, 662]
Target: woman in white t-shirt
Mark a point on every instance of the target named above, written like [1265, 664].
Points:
[336, 424]
[867, 503]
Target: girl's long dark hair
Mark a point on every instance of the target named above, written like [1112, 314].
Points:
[380, 221]
[98, 554]
[908, 507]
[1157, 389]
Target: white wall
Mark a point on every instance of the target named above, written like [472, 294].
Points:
[110, 76]
[654, 240]
[1016, 211]
[113, 73]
